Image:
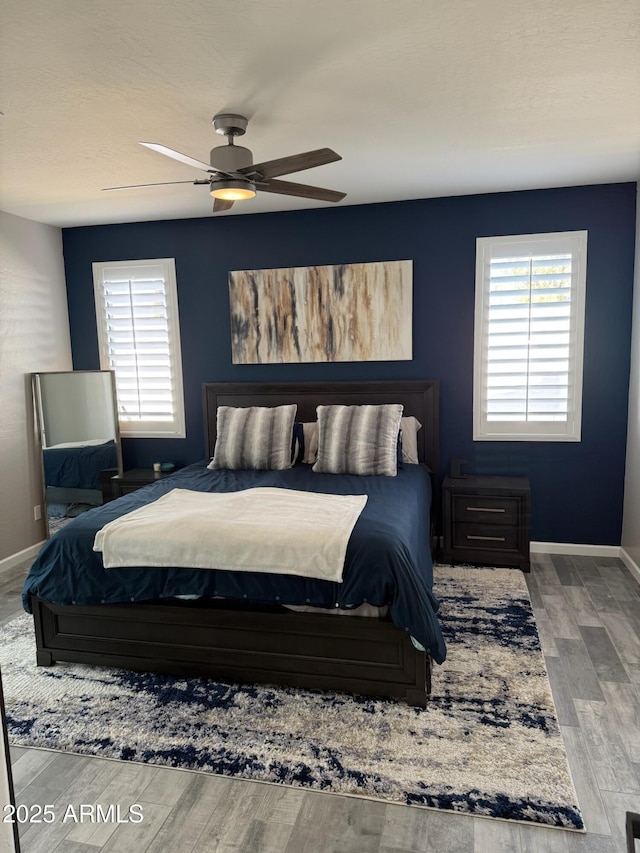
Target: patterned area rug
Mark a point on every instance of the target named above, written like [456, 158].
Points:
[487, 744]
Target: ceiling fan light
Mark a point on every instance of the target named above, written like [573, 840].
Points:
[233, 190]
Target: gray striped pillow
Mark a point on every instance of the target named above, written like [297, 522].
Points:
[358, 439]
[254, 438]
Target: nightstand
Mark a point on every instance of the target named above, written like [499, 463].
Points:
[486, 520]
[130, 481]
[106, 475]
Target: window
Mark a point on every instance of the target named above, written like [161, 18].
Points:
[529, 330]
[139, 338]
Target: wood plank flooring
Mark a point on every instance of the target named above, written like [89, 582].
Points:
[588, 613]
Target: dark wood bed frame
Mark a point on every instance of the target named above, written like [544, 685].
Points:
[229, 642]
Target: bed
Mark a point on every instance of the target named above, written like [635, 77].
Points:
[239, 626]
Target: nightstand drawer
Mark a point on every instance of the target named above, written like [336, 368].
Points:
[486, 537]
[126, 489]
[485, 509]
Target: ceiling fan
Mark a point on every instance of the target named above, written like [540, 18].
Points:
[233, 176]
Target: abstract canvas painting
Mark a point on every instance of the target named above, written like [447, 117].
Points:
[346, 312]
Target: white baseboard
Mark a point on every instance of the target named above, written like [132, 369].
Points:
[574, 549]
[630, 563]
[21, 556]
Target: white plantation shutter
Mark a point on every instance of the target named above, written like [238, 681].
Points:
[529, 331]
[139, 338]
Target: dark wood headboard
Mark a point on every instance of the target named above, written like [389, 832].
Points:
[419, 398]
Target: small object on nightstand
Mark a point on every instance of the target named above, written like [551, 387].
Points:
[486, 520]
[157, 466]
[456, 466]
[166, 467]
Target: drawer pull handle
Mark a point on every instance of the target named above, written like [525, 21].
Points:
[484, 509]
[489, 538]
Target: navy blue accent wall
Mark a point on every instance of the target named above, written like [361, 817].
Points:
[577, 488]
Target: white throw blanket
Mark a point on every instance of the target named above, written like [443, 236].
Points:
[278, 531]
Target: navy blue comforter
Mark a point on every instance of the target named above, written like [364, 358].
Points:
[78, 467]
[388, 561]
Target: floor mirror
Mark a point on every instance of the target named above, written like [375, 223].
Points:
[77, 418]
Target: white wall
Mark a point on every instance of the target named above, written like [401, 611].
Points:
[631, 518]
[34, 336]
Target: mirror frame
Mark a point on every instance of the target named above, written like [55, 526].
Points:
[37, 414]
[9, 838]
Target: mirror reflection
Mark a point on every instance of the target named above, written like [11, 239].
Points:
[78, 423]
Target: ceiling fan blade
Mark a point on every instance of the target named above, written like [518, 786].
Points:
[300, 190]
[140, 186]
[184, 158]
[295, 163]
[220, 204]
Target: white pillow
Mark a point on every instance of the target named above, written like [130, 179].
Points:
[310, 442]
[305, 435]
[410, 427]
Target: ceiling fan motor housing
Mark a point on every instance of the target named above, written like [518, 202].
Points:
[230, 158]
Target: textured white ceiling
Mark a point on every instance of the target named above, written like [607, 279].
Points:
[421, 98]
